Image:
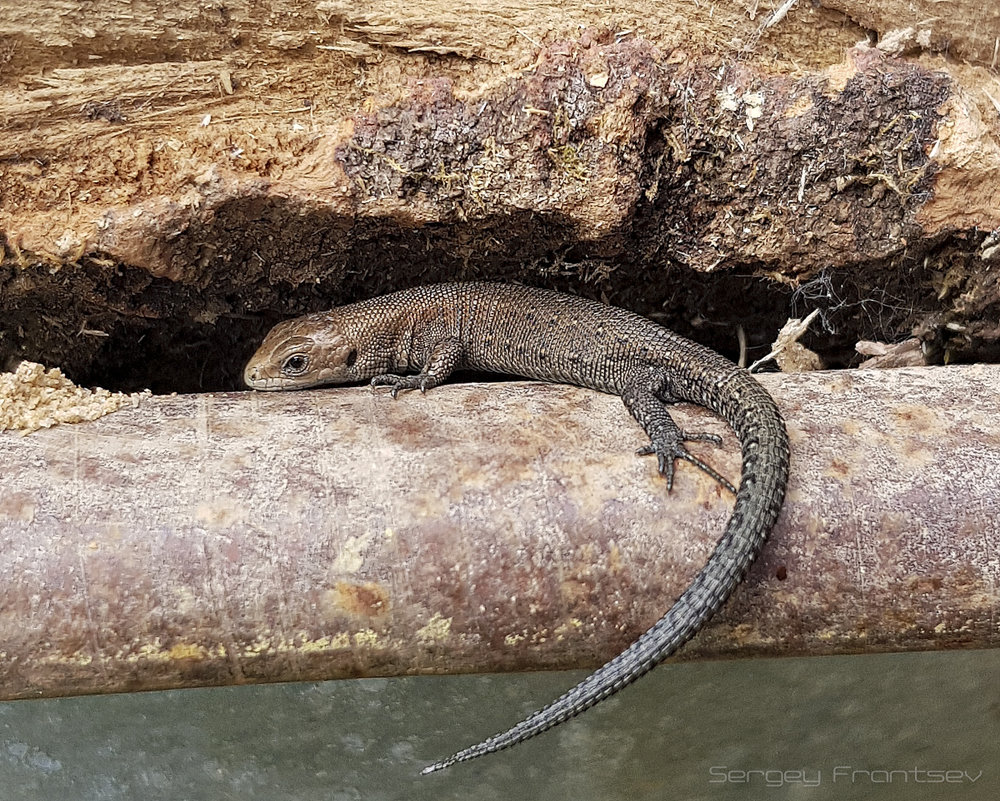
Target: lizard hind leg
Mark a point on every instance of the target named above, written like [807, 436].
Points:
[645, 398]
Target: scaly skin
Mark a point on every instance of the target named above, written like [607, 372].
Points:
[536, 333]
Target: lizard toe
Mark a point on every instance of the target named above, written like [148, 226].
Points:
[701, 436]
[670, 448]
[396, 383]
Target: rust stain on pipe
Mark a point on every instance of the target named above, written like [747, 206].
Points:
[220, 539]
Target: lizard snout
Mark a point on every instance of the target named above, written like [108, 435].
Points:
[252, 376]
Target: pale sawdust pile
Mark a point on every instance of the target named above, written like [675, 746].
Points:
[33, 397]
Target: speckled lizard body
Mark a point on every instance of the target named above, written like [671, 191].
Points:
[434, 330]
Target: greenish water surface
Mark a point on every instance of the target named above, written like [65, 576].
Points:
[896, 726]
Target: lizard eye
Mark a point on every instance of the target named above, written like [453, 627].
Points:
[296, 364]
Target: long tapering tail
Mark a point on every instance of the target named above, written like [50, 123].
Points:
[754, 416]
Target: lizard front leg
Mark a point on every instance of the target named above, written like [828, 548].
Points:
[445, 355]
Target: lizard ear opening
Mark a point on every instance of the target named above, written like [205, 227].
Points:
[352, 357]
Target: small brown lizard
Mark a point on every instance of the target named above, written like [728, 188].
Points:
[433, 330]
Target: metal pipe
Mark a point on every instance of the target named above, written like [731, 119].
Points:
[223, 539]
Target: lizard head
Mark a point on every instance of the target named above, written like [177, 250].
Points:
[300, 353]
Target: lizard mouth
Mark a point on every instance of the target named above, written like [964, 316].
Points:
[255, 378]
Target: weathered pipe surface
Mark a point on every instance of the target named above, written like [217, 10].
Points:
[220, 539]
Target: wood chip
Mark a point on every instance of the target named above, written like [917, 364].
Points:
[33, 397]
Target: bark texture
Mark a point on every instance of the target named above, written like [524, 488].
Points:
[220, 539]
[174, 178]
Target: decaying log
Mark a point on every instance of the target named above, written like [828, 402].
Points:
[220, 539]
[174, 179]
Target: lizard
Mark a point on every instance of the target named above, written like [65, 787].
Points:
[415, 338]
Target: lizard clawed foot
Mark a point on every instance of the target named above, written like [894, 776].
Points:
[670, 448]
[401, 383]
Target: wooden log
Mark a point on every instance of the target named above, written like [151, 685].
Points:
[231, 538]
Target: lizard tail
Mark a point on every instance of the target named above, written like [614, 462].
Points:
[755, 418]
